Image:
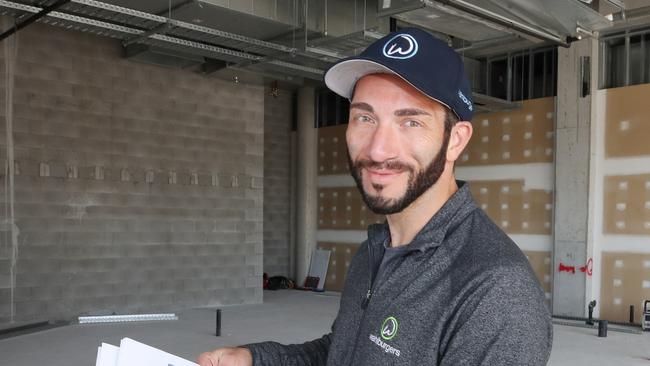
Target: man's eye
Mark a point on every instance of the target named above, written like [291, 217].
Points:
[364, 118]
[411, 123]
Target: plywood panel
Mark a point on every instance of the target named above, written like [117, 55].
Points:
[627, 204]
[332, 150]
[514, 209]
[625, 282]
[519, 136]
[343, 208]
[340, 259]
[626, 121]
[541, 263]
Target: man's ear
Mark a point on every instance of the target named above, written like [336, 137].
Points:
[458, 139]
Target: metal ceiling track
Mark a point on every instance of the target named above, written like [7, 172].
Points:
[48, 9]
[132, 26]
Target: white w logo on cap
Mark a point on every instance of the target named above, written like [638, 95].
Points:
[402, 46]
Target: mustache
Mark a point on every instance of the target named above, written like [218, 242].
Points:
[377, 165]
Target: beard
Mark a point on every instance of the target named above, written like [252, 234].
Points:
[418, 182]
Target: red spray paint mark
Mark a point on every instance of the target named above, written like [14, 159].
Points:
[588, 268]
[570, 269]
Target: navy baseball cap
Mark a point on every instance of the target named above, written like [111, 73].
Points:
[416, 56]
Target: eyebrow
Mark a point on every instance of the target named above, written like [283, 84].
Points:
[411, 112]
[405, 112]
[364, 106]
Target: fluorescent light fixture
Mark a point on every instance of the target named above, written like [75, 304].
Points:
[580, 32]
[125, 318]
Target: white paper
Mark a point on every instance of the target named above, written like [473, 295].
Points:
[320, 259]
[107, 355]
[133, 353]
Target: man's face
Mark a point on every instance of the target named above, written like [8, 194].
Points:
[396, 142]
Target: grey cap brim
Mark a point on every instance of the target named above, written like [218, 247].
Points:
[342, 77]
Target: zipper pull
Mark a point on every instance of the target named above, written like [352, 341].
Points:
[365, 302]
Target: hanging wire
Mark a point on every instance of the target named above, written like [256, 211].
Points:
[355, 14]
[364, 14]
[325, 30]
[295, 24]
[523, 66]
[10, 48]
[306, 16]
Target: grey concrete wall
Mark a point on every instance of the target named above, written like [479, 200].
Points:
[278, 114]
[138, 188]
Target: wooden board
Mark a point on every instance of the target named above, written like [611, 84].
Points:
[625, 282]
[627, 204]
[626, 121]
[519, 136]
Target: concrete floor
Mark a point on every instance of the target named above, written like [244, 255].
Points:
[286, 316]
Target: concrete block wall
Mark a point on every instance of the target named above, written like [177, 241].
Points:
[278, 115]
[137, 188]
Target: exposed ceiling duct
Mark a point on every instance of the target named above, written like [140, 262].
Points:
[481, 27]
[183, 38]
[627, 19]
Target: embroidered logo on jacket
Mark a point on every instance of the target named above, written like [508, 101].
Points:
[387, 331]
[389, 328]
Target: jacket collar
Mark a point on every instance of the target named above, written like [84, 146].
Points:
[457, 207]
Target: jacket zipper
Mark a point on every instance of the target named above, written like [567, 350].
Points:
[371, 277]
[365, 302]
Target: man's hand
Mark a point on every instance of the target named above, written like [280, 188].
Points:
[227, 356]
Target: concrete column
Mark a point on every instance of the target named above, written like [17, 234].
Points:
[571, 247]
[307, 190]
[292, 204]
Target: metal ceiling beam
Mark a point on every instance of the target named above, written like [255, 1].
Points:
[206, 49]
[45, 11]
[58, 16]
[161, 29]
[131, 35]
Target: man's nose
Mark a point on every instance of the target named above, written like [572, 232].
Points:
[383, 144]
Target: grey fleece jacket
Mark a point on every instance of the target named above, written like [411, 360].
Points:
[462, 294]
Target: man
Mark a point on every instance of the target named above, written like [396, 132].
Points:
[438, 283]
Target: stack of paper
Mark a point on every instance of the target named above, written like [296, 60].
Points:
[132, 353]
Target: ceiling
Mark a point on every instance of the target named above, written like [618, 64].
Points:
[269, 37]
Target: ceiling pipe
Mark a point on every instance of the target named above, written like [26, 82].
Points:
[501, 20]
[584, 32]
